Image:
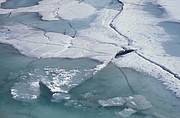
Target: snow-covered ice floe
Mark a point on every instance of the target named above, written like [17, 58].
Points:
[110, 32]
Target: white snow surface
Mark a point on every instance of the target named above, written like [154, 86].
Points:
[100, 41]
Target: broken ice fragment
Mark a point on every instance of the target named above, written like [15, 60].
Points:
[25, 91]
[117, 101]
[126, 112]
[138, 102]
[58, 97]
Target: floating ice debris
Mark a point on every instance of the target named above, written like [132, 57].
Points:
[138, 102]
[126, 112]
[56, 75]
[25, 91]
[60, 80]
[117, 101]
[58, 97]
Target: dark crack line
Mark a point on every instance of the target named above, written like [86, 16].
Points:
[126, 80]
[47, 36]
[88, 50]
[114, 28]
[128, 40]
[9, 15]
[130, 43]
[106, 43]
[161, 66]
[70, 25]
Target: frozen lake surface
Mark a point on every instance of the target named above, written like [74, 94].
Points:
[89, 58]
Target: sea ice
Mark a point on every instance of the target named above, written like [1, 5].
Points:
[138, 102]
[58, 97]
[117, 101]
[126, 112]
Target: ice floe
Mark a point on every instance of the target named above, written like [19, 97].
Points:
[117, 101]
[137, 102]
[126, 112]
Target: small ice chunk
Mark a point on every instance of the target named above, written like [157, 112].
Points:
[60, 80]
[58, 97]
[138, 102]
[126, 112]
[117, 101]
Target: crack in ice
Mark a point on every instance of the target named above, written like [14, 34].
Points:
[161, 66]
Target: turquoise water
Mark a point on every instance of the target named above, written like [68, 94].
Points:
[108, 83]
